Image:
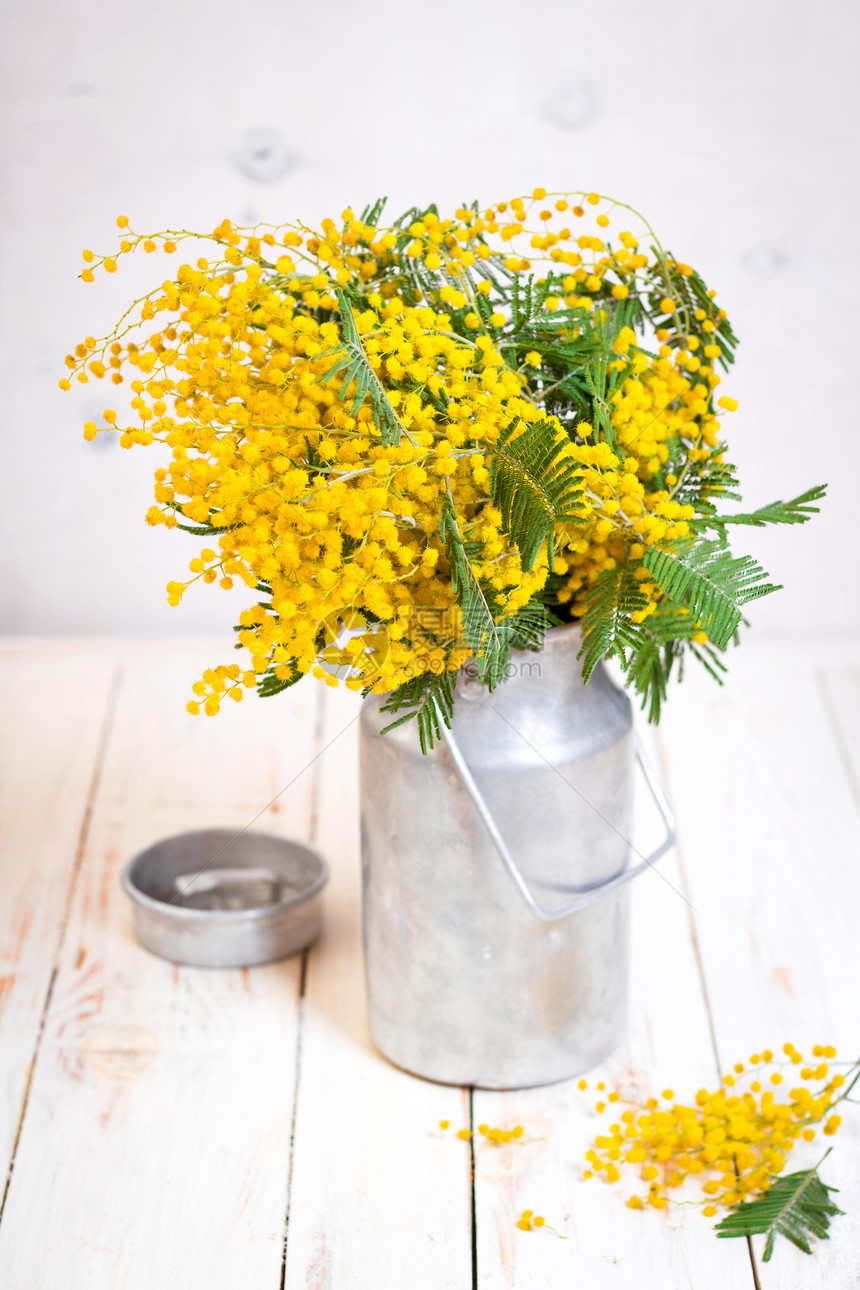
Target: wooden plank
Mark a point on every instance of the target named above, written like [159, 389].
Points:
[379, 1199]
[156, 1145]
[137, 1053]
[668, 1042]
[771, 839]
[52, 718]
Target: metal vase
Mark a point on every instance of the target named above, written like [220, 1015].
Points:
[495, 875]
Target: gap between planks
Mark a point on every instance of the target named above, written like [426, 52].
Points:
[313, 832]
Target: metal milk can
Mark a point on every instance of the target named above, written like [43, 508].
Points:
[495, 875]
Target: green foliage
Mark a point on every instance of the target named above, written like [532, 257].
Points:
[314, 463]
[575, 380]
[692, 293]
[372, 213]
[268, 683]
[415, 280]
[354, 367]
[797, 511]
[423, 699]
[528, 626]
[480, 630]
[650, 650]
[430, 695]
[536, 377]
[533, 487]
[665, 639]
[607, 627]
[714, 481]
[524, 630]
[796, 1207]
[205, 530]
[596, 377]
[706, 579]
[703, 585]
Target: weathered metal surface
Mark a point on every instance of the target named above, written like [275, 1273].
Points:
[467, 985]
[215, 898]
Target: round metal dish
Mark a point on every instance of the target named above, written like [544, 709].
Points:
[217, 899]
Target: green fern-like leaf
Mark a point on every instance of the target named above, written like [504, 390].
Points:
[423, 699]
[206, 530]
[607, 627]
[712, 481]
[534, 487]
[523, 307]
[353, 366]
[529, 625]
[796, 1207]
[597, 379]
[484, 636]
[426, 697]
[797, 511]
[711, 582]
[429, 696]
[268, 684]
[664, 638]
[372, 213]
[650, 651]
[693, 293]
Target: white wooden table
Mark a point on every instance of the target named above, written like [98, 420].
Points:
[184, 1129]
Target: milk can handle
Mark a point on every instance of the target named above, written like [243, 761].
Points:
[585, 895]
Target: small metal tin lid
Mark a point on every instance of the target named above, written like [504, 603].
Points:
[218, 898]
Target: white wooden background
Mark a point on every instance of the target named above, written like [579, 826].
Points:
[235, 1130]
[730, 125]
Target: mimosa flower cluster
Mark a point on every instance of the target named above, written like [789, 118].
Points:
[732, 1141]
[334, 404]
[494, 1136]
[528, 1220]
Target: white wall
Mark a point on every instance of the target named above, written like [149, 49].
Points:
[732, 126]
